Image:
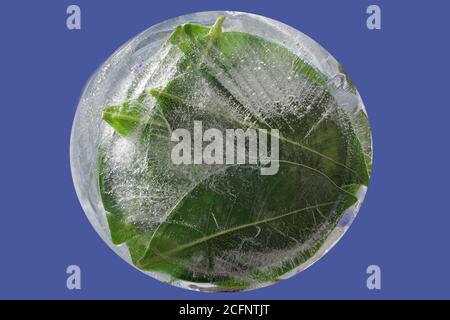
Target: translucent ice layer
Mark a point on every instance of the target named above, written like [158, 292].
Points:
[221, 226]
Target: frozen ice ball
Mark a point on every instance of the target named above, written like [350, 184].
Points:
[221, 225]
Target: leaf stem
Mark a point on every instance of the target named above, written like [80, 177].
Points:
[111, 116]
[216, 29]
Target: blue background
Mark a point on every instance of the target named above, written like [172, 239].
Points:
[402, 73]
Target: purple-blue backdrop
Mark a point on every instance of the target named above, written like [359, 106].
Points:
[400, 71]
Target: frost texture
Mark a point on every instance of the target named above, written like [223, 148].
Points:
[301, 94]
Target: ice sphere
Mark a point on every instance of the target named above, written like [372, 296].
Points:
[220, 227]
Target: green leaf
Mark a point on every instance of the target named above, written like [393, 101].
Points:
[124, 119]
[228, 224]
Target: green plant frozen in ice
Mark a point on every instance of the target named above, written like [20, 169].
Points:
[227, 224]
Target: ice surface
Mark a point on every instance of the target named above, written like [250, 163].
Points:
[148, 196]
